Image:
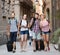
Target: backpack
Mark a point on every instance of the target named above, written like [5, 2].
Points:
[28, 30]
[32, 24]
[15, 21]
[21, 22]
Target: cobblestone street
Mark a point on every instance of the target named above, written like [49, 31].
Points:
[3, 51]
[30, 19]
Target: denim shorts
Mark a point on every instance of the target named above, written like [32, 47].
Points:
[36, 36]
[24, 32]
[13, 36]
[45, 32]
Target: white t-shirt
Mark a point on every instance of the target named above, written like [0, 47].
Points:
[23, 23]
[30, 33]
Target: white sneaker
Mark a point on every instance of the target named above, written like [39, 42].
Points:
[14, 50]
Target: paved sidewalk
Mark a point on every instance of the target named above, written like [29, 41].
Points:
[3, 51]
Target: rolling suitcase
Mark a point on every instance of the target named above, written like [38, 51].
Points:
[41, 45]
[9, 46]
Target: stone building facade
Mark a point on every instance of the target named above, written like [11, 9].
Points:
[20, 7]
[57, 20]
[47, 10]
[52, 10]
[38, 6]
[55, 14]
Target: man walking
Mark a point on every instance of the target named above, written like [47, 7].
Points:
[12, 30]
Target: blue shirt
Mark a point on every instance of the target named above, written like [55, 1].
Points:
[13, 25]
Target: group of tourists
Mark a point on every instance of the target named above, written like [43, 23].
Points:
[37, 28]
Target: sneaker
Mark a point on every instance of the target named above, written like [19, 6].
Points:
[24, 50]
[45, 49]
[15, 48]
[21, 51]
[30, 43]
[14, 51]
[39, 49]
[34, 50]
[48, 49]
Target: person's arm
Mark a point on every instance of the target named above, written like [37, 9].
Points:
[31, 22]
[19, 25]
[50, 27]
[28, 25]
[8, 29]
[41, 25]
[24, 26]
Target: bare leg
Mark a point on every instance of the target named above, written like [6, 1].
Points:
[39, 44]
[21, 43]
[47, 40]
[14, 45]
[45, 44]
[34, 45]
[25, 41]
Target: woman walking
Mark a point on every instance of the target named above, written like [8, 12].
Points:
[23, 25]
[45, 27]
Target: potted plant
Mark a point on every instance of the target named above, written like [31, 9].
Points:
[56, 38]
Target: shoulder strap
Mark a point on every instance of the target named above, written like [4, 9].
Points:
[16, 21]
[32, 23]
[27, 23]
[20, 22]
[10, 22]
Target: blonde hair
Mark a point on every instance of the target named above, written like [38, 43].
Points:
[43, 15]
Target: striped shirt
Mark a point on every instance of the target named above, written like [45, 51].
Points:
[36, 26]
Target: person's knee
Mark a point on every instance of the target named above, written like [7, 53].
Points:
[34, 40]
[21, 40]
[14, 43]
[38, 42]
[44, 39]
[25, 39]
[47, 39]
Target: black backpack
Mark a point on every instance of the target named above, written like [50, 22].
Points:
[34, 19]
[15, 21]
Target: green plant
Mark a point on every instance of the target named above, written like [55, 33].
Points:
[56, 35]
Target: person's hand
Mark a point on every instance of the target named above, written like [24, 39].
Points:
[8, 33]
[28, 25]
[18, 32]
[24, 26]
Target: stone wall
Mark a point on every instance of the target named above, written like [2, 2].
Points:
[3, 24]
